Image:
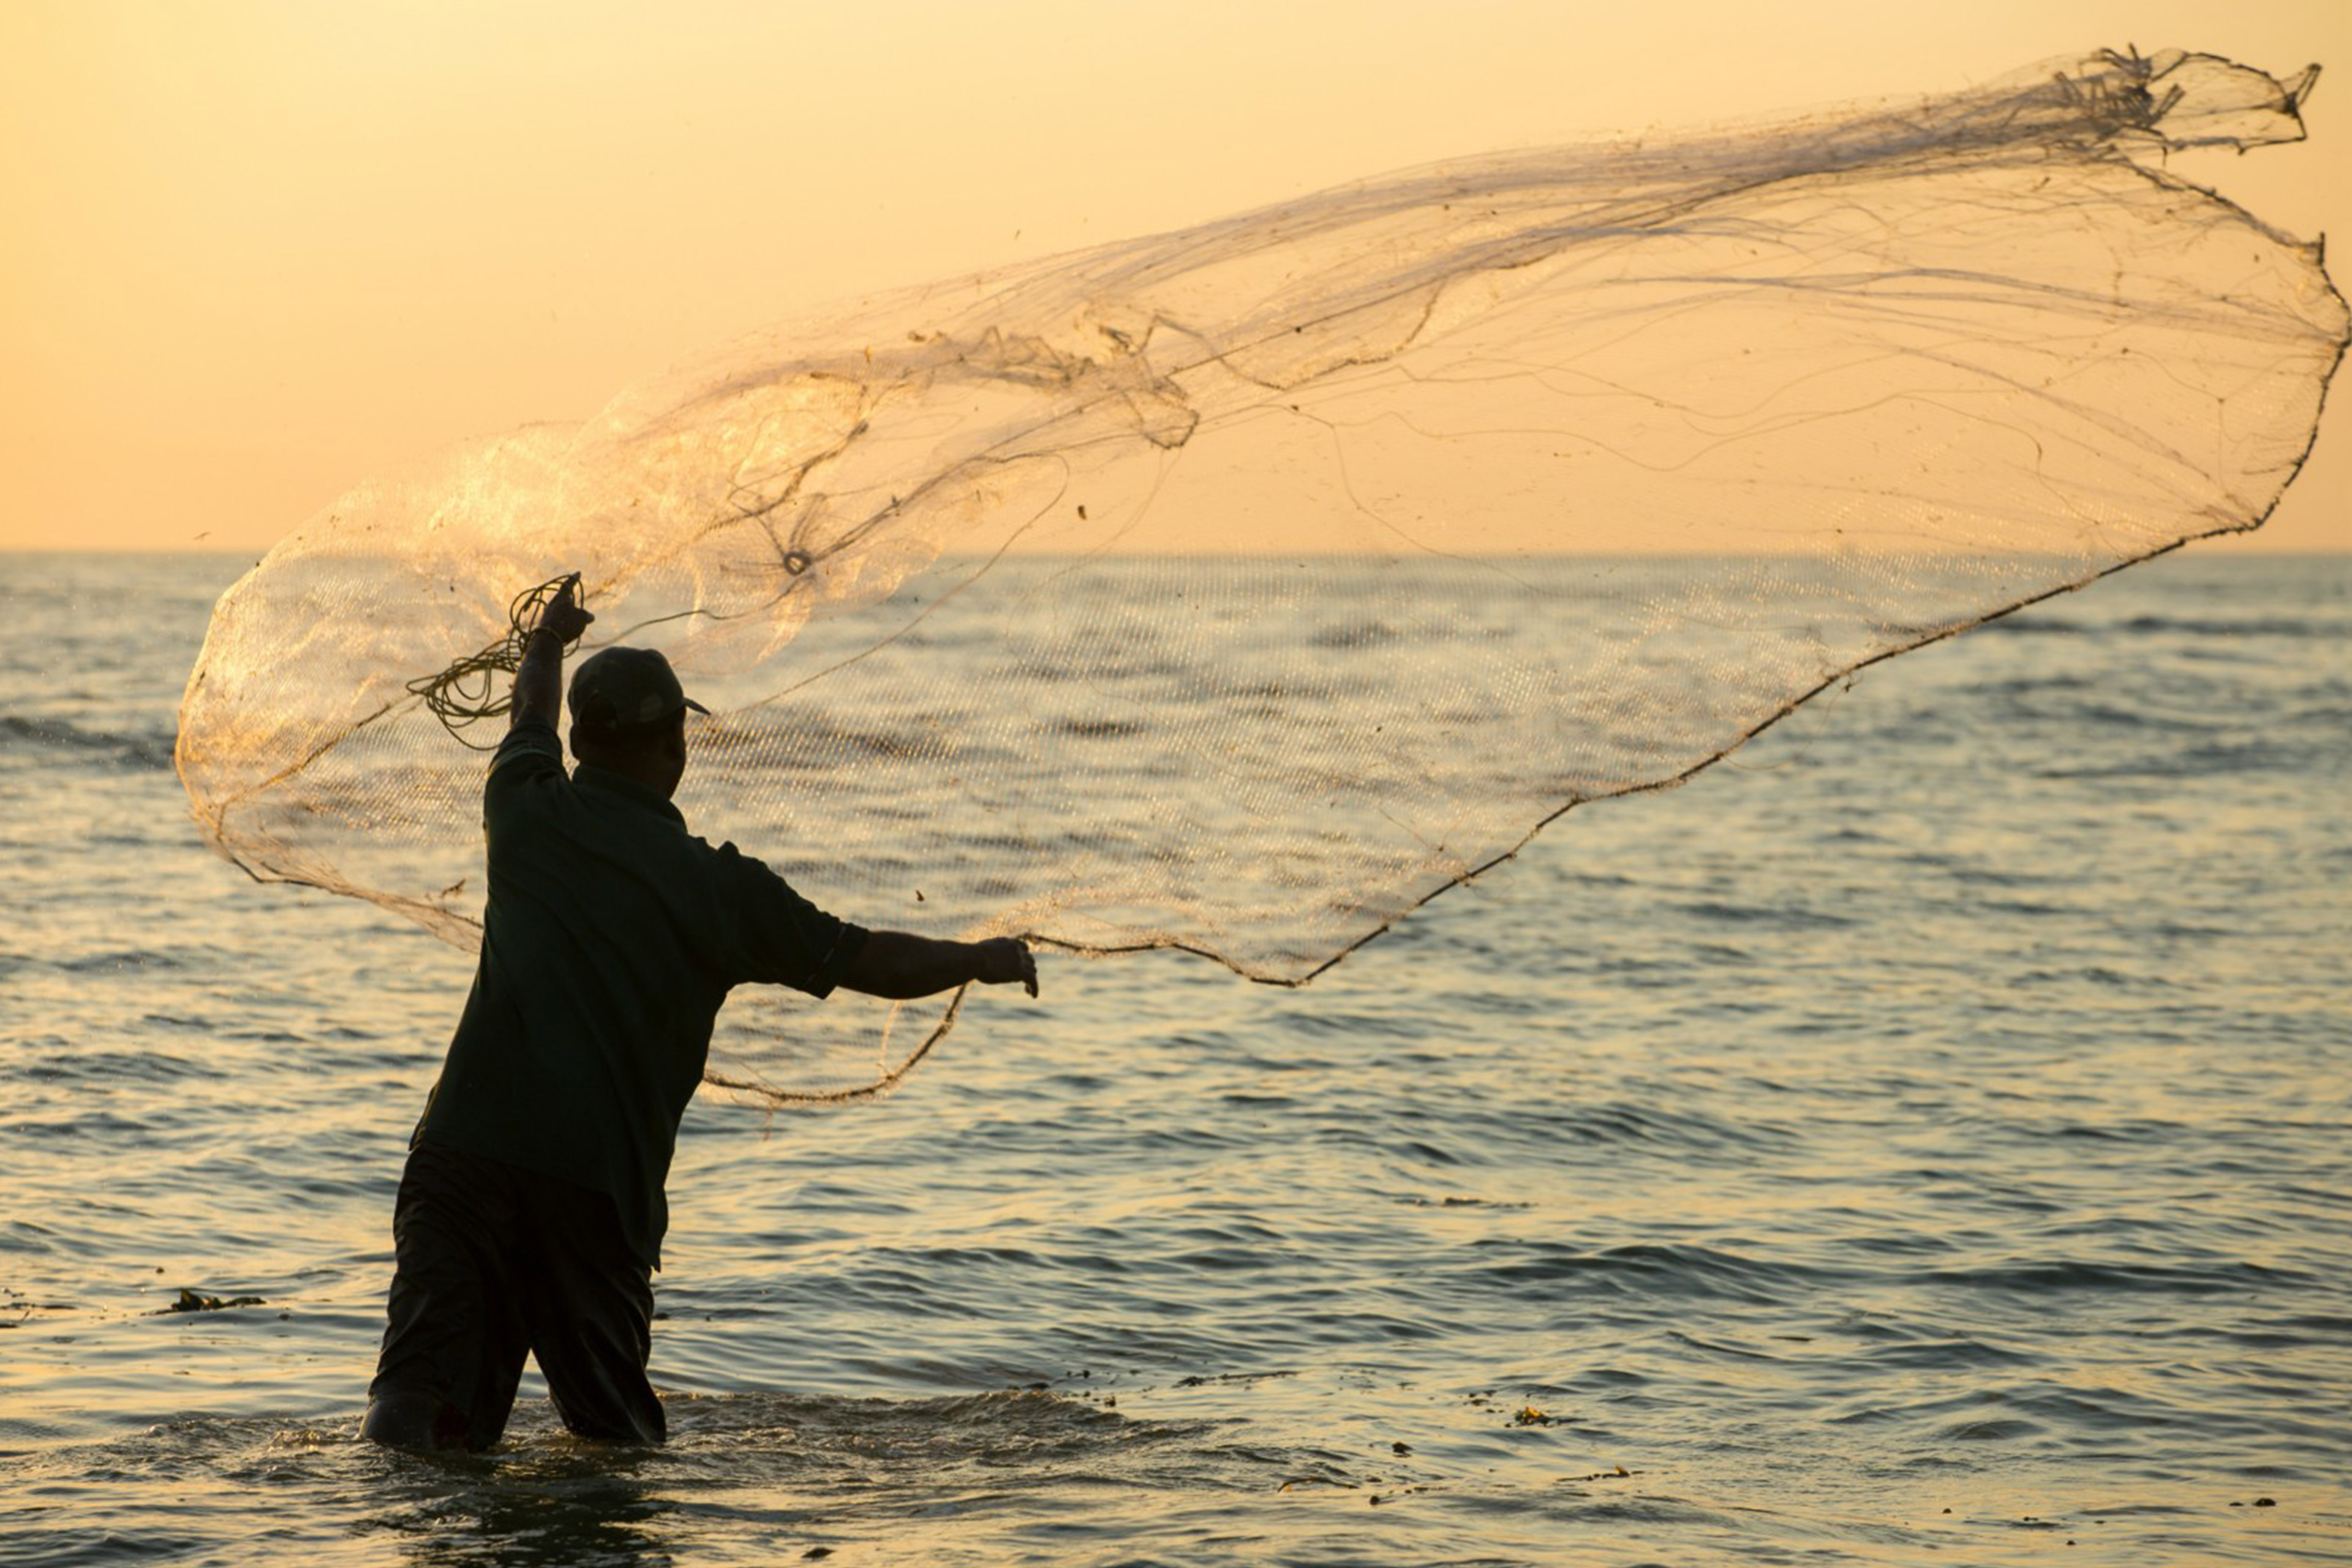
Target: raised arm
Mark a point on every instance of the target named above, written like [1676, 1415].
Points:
[538, 679]
[899, 966]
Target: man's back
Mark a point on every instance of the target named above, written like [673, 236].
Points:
[611, 938]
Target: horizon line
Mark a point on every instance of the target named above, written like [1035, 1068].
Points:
[2251, 539]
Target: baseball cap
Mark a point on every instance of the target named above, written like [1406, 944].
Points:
[627, 688]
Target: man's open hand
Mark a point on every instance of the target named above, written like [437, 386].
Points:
[564, 617]
[1004, 960]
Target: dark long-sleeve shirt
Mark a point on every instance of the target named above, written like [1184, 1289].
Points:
[611, 937]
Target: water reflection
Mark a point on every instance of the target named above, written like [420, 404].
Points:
[560, 1504]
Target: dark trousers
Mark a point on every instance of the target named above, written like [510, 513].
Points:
[494, 1263]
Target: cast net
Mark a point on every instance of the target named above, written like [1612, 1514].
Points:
[1240, 589]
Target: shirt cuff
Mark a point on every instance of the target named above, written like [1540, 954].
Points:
[843, 954]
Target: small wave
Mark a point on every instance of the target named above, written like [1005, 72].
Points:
[1993, 1431]
[2200, 627]
[1944, 1354]
[1650, 1269]
[1776, 915]
[2030, 626]
[1101, 728]
[1355, 634]
[1681, 1134]
[109, 1067]
[2085, 714]
[2050, 1277]
[129, 958]
[2147, 626]
[148, 751]
[2220, 759]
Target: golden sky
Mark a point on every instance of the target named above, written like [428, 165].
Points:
[257, 249]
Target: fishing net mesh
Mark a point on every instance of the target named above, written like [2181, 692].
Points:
[1238, 590]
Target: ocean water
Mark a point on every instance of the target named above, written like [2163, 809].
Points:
[1920, 1138]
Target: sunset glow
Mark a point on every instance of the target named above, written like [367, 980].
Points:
[257, 252]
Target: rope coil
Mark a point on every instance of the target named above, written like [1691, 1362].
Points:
[469, 690]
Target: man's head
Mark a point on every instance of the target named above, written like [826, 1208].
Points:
[628, 714]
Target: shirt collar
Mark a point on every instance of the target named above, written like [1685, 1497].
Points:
[589, 776]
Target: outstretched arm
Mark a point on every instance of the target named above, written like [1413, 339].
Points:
[538, 679]
[900, 966]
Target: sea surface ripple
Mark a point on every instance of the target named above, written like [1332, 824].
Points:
[1922, 1138]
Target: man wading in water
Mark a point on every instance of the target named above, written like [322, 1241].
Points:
[530, 1215]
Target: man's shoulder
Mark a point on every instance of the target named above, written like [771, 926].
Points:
[528, 765]
[746, 878]
[527, 748]
[725, 860]
[529, 753]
